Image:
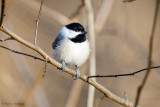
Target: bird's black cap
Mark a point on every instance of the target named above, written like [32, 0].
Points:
[76, 27]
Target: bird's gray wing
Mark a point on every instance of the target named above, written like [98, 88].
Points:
[57, 41]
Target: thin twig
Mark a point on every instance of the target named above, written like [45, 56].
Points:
[14, 51]
[32, 86]
[2, 12]
[37, 23]
[45, 69]
[140, 88]
[5, 39]
[24, 42]
[98, 86]
[127, 74]
[48, 12]
[128, 0]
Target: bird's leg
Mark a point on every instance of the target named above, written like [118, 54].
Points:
[63, 65]
[78, 72]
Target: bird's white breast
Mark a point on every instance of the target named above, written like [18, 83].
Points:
[72, 53]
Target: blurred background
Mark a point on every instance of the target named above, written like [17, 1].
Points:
[121, 47]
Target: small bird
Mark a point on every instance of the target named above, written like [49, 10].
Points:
[71, 46]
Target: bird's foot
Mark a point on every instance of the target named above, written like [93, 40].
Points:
[63, 65]
[78, 72]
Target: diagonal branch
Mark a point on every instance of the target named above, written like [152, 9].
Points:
[98, 86]
[24, 42]
[37, 23]
[140, 88]
[96, 76]
[48, 12]
[14, 51]
[2, 11]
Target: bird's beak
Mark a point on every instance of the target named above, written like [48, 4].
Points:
[84, 32]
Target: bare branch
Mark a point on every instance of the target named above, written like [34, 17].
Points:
[140, 88]
[14, 51]
[24, 42]
[2, 11]
[5, 39]
[128, 0]
[45, 69]
[37, 22]
[98, 86]
[120, 75]
[48, 12]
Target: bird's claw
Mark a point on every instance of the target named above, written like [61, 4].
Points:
[78, 72]
[63, 65]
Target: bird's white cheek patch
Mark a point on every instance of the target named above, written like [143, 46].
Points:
[69, 33]
[73, 34]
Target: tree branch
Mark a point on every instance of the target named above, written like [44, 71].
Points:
[2, 11]
[98, 86]
[128, 0]
[48, 12]
[120, 75]
[96, 76]
[14, 51]
[140, 88]
[37, 22]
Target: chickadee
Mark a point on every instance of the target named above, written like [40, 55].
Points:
[71, 46]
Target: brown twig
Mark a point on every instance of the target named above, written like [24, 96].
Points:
[45, 69]
[14, 51]
[128, 0]
[2, 11]
[32, 86]
[120, 75]
[48, 12]
[98, 86]
[140, 88]
[37, 23]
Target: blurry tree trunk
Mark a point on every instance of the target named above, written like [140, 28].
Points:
[92, 60]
